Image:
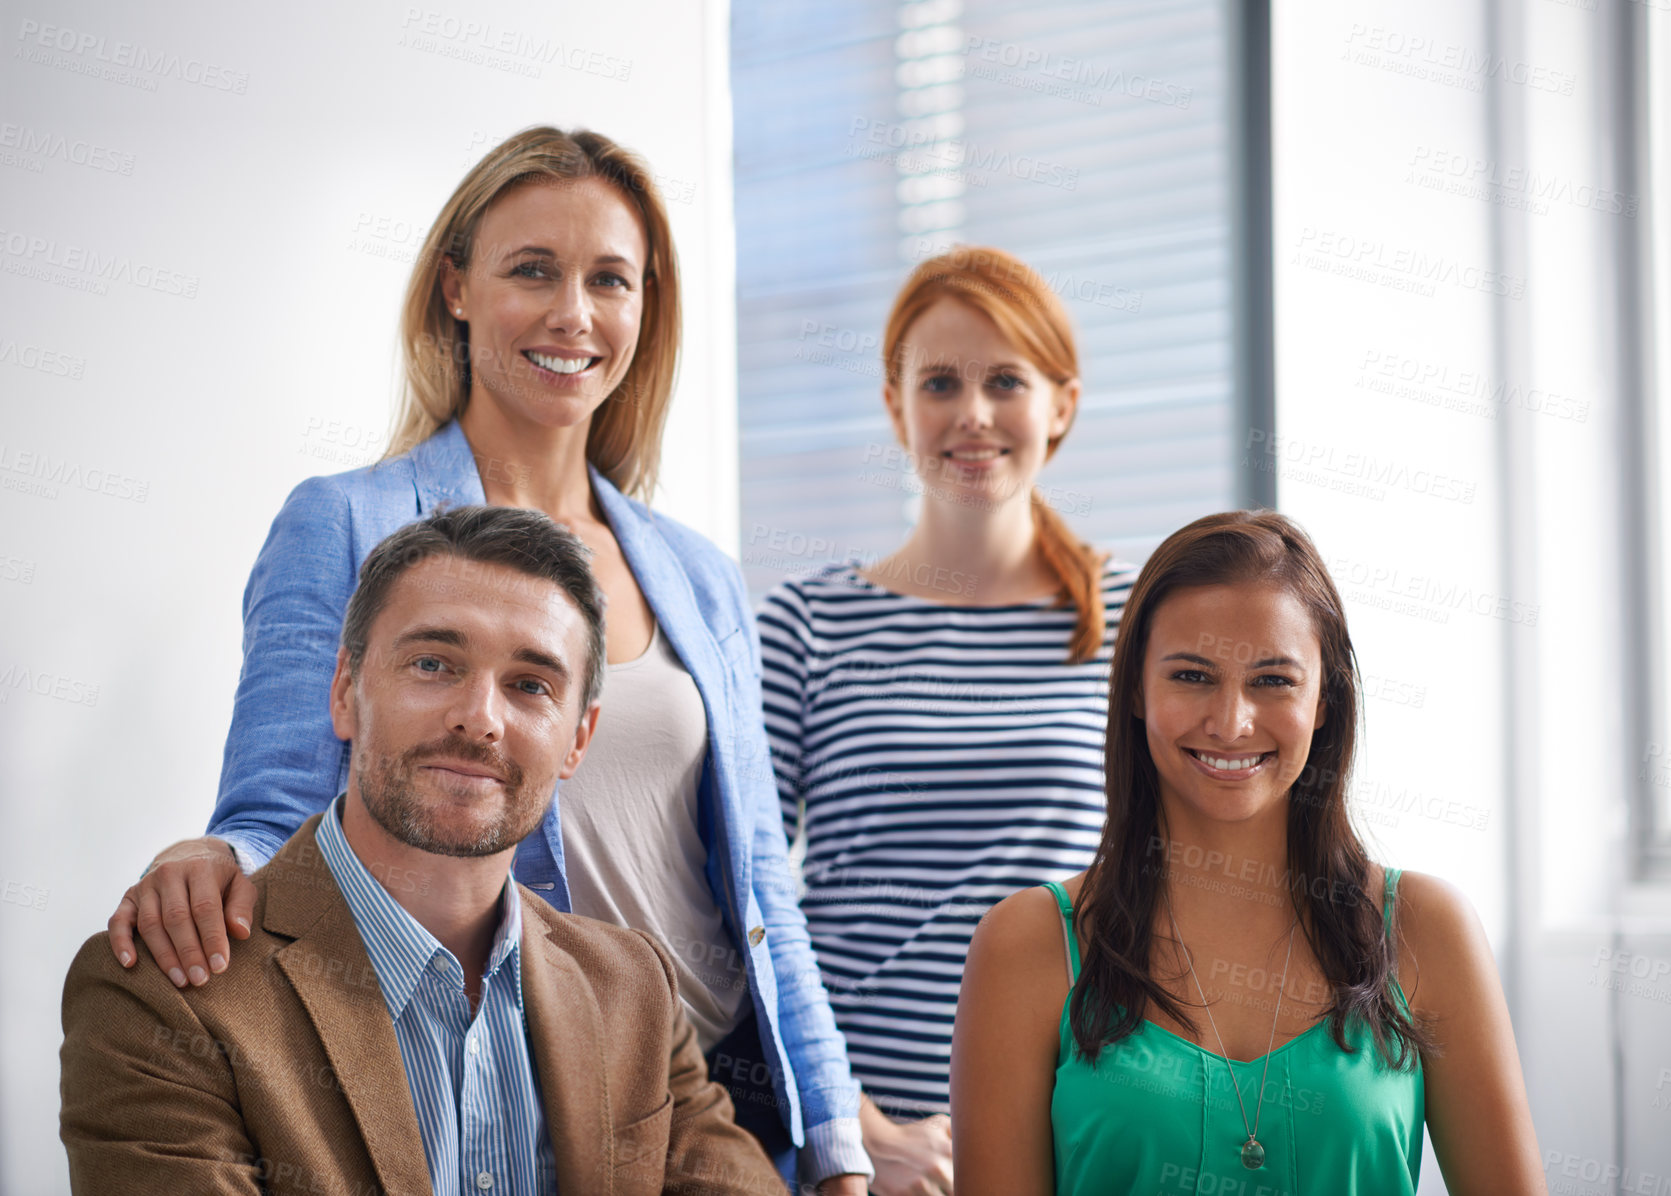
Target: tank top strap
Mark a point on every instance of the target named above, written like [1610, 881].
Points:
[1068, 937]
[1387, 901]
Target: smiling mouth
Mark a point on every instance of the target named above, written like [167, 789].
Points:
[564, 366]
[466, 772]
[973, 456]
[1246, 762]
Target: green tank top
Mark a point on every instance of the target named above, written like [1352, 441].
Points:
[1156, 1114]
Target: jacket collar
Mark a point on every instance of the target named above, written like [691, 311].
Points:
[405, 950]
[332, 974]
[665, 581]
[328, 967]
[445, 470]
[565, 1032]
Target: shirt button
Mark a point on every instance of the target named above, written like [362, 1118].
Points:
[755, 935]
[440, 965]
[484, 1181]
[475, 1048]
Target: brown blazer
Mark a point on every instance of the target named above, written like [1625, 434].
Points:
[282, 1074]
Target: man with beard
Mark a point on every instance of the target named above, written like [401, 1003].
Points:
[403, 1017]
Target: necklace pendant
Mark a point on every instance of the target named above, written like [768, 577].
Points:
[1253, 1154]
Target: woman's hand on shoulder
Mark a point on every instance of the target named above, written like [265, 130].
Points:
[1477, 1112]
[1004, 1048]
[190, 899]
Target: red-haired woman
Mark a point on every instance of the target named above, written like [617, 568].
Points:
[936, 716]
[1234, 997]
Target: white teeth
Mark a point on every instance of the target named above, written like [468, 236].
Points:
[560, 365]
[1226, 765]
[975, 454]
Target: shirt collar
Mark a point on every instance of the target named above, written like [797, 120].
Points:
[398, 944]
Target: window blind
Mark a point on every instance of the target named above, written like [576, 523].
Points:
[1090, 139]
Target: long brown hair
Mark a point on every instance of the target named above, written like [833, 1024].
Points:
[624, 441]
[1328, 868]
[1011, 294]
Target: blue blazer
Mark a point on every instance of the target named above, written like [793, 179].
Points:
[284, 763]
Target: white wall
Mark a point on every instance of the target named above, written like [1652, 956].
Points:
[253, 195]
[1449, 397]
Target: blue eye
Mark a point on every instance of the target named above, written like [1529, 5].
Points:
[539, 686]
[1008, 382]
[529, 270]
[423, 660]
[939, 383]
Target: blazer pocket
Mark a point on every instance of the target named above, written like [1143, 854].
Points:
[734, 646]
[642, 1144]
[739, 663]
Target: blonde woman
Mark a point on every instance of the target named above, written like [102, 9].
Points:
[540, 333]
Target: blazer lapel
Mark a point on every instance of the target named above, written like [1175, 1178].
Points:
[565, 1033]
[328, 966]
[666, 587]
[444, 470]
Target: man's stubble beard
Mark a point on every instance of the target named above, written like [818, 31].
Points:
[390, 797]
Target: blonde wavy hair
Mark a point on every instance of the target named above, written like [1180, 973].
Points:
[624, 442]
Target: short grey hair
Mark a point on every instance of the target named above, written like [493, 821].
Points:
[530, 542]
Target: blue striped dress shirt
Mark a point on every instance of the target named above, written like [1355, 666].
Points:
[472, 1080]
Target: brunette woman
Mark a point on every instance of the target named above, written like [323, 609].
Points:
[1234, 997]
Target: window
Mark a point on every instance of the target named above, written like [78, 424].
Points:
[1653, 251]
[1096, 142]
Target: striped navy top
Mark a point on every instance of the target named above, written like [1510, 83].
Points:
[472, 1080]
[938, 758]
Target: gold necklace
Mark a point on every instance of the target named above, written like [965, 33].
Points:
[1253, 1154]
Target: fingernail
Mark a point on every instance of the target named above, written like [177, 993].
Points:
[216, 963]
[244, 922]
[179, 977]
[127, 960]
[198, 975]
